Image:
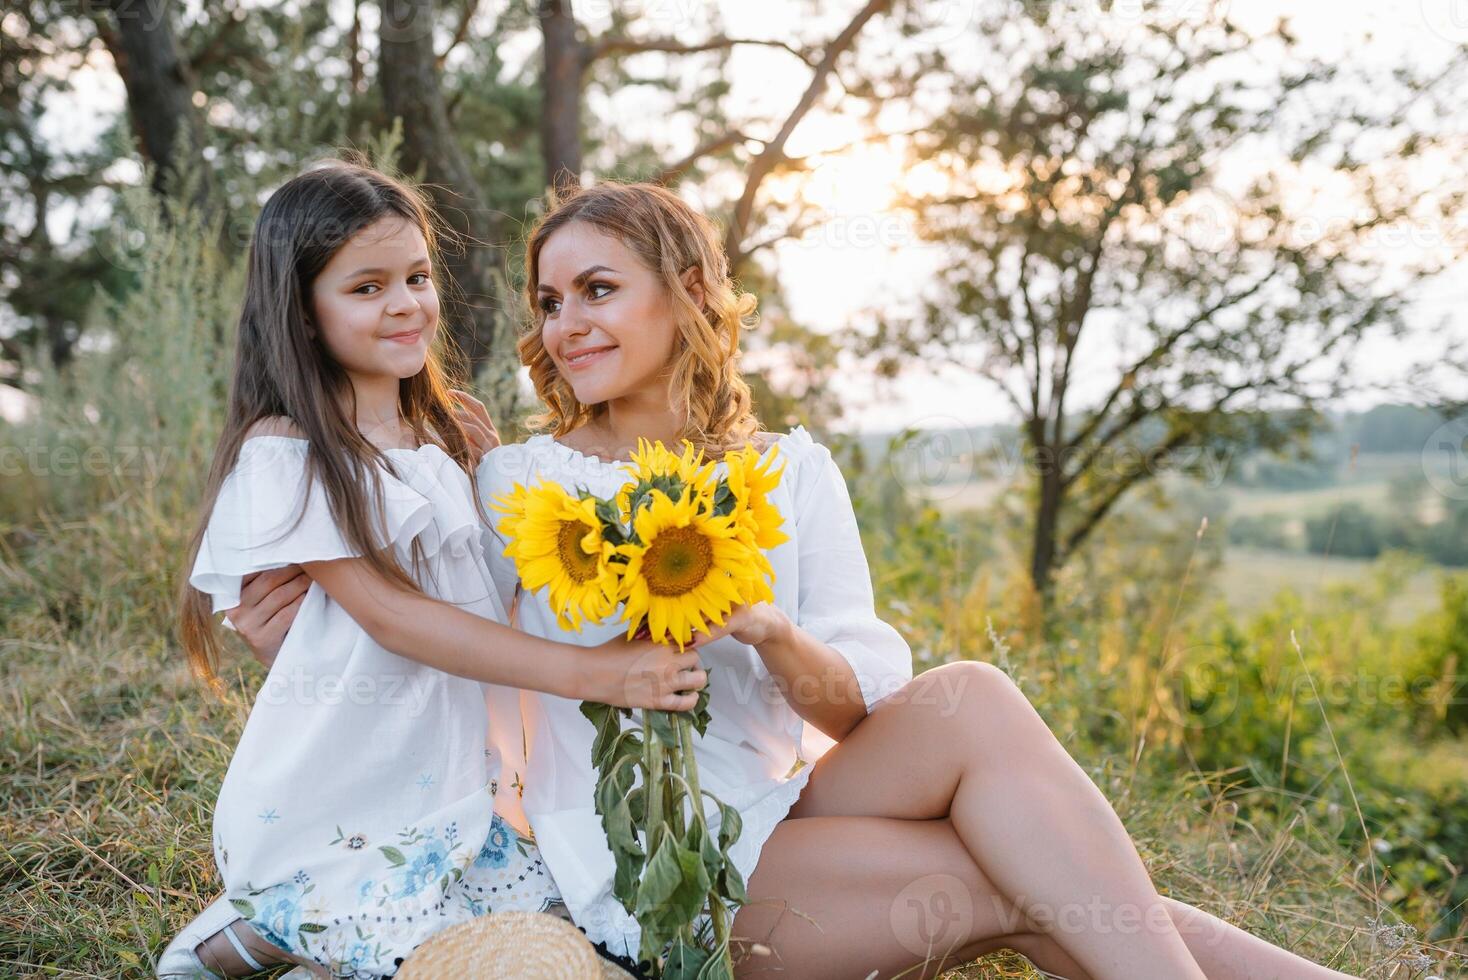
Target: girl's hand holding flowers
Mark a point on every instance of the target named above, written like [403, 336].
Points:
[643, 674]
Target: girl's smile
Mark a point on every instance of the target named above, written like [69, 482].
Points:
[376, 307]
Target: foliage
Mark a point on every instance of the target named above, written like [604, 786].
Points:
[1148, 177]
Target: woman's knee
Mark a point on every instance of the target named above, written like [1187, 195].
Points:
[971, 693]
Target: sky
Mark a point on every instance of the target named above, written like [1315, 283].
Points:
[866, 256]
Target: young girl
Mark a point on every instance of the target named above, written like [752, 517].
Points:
[941, 818]
[358, 816]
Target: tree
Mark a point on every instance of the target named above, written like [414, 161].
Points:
[1117, 261]
[160, 93]
[412, 91]
[42, 186]
[568, 57]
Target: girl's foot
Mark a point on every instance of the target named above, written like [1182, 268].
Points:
[217, 944]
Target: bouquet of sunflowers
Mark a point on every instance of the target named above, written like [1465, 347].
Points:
[676, 548]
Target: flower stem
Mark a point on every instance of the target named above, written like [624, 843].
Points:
[690, 773]
[652, 750]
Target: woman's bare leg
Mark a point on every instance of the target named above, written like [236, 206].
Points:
[1226, 952]
[840, 897]
[961, 741]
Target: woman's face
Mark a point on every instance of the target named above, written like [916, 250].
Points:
[608, 320]
[375, 304]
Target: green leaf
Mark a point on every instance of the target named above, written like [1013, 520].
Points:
[700, 711]
[684, 961]
[718, 967]
[312, 927]
[616, 816]
[700, 843]
[393, 855]
[731, 883]
[731, 825]
[661, 723]
[673, 889]
[625, 881]
[243, 907]
[608, 726]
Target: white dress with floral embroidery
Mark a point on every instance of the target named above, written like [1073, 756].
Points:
[357, 817]
[752, 756]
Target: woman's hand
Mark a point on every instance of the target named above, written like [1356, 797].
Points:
[643, 674]
[755, 624]
[478, 426]
[269, 602]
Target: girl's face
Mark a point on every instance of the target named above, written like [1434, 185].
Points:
[609, 326]
[375, 305]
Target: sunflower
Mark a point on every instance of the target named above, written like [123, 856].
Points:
[684, 566]
[656, 467]
[750, 481]
[557, 540]
[756, 521]
[654, 460]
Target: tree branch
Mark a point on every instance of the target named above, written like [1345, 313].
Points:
[1158, 351]
[620, 46]
[774, 152]
[461, 33]
[674, 172]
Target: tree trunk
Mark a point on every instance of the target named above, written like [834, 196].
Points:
[160, 94]
[411, 92]
[1044, 544]
[560, 115]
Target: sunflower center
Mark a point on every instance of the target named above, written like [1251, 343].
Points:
[577, 563]
[677, 561]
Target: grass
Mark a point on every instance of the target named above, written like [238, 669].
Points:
[1250, 578]
[111, 755]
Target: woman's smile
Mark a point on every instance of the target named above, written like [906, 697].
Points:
[581, 359]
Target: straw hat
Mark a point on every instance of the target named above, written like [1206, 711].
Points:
[510, 946]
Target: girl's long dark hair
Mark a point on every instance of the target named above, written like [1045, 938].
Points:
[282, 370]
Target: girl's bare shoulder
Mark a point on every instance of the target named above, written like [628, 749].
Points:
[274, 425]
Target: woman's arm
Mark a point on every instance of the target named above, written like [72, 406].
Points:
[269, 601]
[817, 681]
[633, 674]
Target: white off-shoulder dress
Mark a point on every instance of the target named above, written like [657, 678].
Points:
[754, 753]
[357, 817]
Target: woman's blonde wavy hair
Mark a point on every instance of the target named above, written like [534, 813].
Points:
[669, 236]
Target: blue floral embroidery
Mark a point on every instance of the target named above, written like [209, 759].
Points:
[496, 850]
[275, 912]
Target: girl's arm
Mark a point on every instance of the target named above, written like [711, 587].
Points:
[633, 674]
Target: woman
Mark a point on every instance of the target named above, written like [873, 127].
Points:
[941, 819]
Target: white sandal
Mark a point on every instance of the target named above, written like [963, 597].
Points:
[179, 961]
